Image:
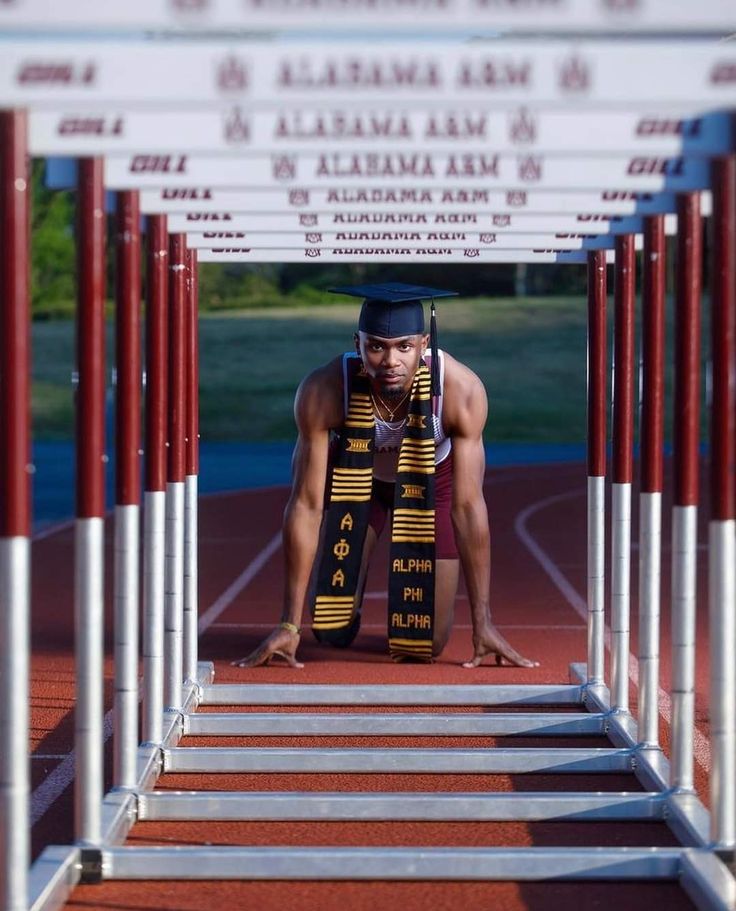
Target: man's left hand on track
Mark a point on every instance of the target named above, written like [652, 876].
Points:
[281, 642]
[492, 644]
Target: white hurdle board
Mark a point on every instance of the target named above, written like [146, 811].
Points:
[488, 169]
[221, 206]
[38, 74]
[236, 129]
[407, 238]
[388, 254]
[446, 15]
[239, 227]
[214, 226]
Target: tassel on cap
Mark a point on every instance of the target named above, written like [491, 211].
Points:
[435, 369]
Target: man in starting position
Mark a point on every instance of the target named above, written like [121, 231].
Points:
[386, 430]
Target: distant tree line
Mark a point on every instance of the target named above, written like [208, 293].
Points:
[234, 286]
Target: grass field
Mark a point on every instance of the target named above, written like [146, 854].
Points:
[530, 354]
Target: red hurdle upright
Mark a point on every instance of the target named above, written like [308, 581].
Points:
[174, 603]
[127, 486]
[597, 399]
[15, 509]
[623, 444]
[90, 523]
[652, 464]
[154, 533]
[722, 527]
[685, 508]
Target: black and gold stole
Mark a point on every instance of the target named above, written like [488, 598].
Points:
[412, 559]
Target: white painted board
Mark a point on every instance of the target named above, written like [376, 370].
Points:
[573, 74]
[407, 238]
[386, 255]
[238, 130]
[337, 15]
[239, 226]
[220, 206]
[488, 169]
[216, 225]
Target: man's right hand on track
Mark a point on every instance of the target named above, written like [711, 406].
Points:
[281, 642]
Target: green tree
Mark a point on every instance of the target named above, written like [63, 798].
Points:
[52, 247]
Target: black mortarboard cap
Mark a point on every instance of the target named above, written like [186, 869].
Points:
[394, 309]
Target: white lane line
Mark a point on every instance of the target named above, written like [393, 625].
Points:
[53, 529]
[53, 786]
[236, 587]
[700, 742]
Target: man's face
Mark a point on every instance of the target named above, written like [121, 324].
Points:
[391, 362]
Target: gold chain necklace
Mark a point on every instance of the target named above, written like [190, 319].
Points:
[389, 411]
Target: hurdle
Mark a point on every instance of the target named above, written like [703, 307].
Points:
[175, 683]
[15, 508]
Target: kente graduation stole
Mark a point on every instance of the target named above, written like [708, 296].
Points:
[412, 555]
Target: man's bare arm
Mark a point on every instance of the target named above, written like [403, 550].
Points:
[467, 409]
[317, 409]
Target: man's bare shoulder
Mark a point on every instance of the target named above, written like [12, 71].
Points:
[318, 402]
[464, 395]
[460, 380]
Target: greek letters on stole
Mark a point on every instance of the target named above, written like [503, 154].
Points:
[412, 554]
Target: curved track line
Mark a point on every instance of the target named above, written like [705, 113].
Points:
[236, 587]
[700, 742]
[52, 787]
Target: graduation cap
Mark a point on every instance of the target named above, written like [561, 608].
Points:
[394, 309]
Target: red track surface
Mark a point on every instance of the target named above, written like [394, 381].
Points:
[526, 604]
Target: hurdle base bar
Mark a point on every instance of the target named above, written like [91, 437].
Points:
[390, 863]
[686, 816]
[383, 761]
[298, 724]
[120, 807]
[418, 806]
[703, 876]
[382, 694]
[707, 881]
[53, 876]
[59, 868]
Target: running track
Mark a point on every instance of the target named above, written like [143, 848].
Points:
[538, 529]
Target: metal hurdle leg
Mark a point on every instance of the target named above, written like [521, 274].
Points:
[596, 464]
[15, 510]
[191, 598]
[127, 499]
[722, 531]
[154, 543]
[685, 510]
[650, 500]
[89, 543]
[174, 607]
[623, 438]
